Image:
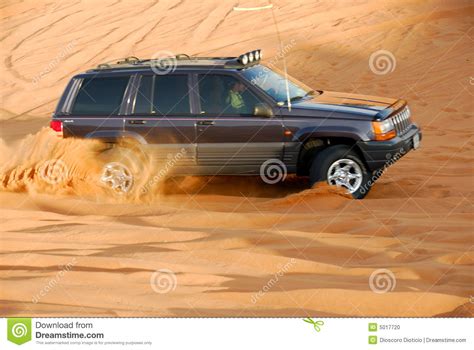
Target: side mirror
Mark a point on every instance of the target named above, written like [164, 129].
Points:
[263, 110]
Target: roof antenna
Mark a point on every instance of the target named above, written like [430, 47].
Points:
[270, 6]
[284, 59]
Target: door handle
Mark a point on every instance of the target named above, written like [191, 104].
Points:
[206, 122]
[137, 121]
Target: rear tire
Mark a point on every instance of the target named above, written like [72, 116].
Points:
[339, 166]
[124, 170]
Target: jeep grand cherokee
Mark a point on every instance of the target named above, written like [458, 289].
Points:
[231, 116]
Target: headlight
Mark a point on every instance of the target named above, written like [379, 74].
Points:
[384, 130]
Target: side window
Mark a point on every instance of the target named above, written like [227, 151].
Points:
[162, 95]
[143, 104]
[100, 96]
[225, 95]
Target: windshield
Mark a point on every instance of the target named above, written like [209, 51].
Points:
[274, 84]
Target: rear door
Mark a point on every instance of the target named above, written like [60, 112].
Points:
[94, 106]
[232, 140]
[161, 115]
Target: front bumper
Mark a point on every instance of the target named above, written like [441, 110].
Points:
[378, 154]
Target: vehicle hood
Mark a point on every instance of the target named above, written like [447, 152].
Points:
[347, 103]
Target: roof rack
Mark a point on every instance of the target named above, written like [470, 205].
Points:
[125, 60]
[245, 60]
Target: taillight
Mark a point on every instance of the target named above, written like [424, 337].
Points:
[57, 126]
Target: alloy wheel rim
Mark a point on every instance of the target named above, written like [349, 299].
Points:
[345, 173]
[117, 177]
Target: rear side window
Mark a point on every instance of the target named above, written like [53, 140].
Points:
[100, 96]
[162, 95]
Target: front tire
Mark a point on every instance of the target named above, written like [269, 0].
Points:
[339, 166]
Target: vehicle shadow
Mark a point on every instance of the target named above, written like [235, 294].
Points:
[250, 186]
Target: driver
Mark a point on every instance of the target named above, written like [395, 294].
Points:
[234, 98]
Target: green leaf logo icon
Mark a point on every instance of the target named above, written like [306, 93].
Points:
[19, 330]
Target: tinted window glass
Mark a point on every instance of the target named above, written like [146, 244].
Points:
[143, 103]
[100, 96]
[224, 94]
[163, 95]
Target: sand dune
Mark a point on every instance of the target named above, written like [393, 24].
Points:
[239, 247]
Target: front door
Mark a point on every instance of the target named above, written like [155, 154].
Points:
[230, 138]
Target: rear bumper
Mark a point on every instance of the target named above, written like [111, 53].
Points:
[378, 154]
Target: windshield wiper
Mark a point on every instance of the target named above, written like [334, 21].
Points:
[298, 97]
[295, 98]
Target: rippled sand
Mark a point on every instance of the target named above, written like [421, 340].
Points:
[232, 246]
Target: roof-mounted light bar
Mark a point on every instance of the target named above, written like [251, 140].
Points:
[250, 57]
[247, 59]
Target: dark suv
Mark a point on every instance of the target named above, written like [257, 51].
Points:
[231, 116]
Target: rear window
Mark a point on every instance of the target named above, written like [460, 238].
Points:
[162, 95]
[100, 96]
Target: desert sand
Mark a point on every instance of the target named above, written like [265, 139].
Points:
[237, 246]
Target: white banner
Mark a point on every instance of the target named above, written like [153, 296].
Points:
[236, 333]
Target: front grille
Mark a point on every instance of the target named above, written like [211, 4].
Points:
[402, 121]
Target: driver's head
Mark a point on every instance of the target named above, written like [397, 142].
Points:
[238, 87]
